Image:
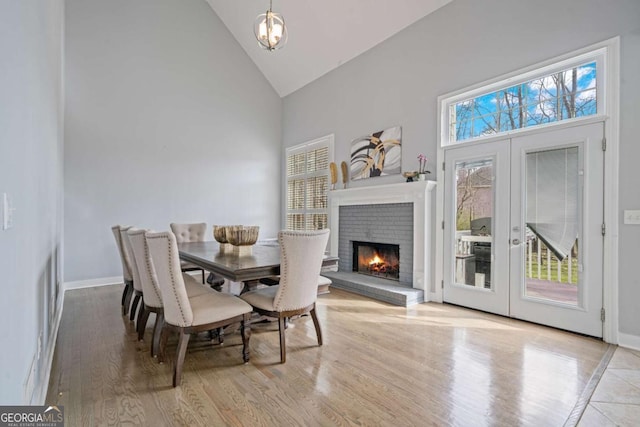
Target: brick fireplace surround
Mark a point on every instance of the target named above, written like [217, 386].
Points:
[411, 203]
[390, 223]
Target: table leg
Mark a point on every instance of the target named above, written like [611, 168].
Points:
[249, 285]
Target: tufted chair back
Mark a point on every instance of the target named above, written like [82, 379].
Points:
[126, 244]
[124, 256]
[301, 255]
[189, 232]
[164, 253]
[146, 270]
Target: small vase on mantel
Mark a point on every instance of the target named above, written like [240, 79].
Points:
[422, 176]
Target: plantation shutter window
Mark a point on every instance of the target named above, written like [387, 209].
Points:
[307, 169]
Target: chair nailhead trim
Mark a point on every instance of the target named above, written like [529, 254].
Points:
[171, 273]
[285, 267]
[150, 271]
[173, 282]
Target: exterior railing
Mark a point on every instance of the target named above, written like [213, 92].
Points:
[540, 262]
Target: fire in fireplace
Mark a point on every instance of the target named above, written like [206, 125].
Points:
[377, 259]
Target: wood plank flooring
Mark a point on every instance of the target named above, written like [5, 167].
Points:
[380, 365]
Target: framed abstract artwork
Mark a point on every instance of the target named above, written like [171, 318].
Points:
[378, 154]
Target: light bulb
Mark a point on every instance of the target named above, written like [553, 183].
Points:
[263, 30]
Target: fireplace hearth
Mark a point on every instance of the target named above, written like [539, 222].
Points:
[377, 259]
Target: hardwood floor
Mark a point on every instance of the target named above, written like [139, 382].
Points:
[429, 364]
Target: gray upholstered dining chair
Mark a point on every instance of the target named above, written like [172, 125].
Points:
[189, 233]
[301, 254]
[188, 315]
[151, 299]
[137, 286]
[195, 233]
[126, 268]
[323, 283]
[151, 295]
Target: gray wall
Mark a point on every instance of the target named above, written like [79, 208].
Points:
[463, 43]
[167, 120]
[629, 240]
[31, 109]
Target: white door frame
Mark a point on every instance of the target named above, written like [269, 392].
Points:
[611, 183]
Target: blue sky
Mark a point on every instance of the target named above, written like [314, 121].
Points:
[533, 102]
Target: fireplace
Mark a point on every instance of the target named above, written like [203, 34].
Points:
[392, 213]
[377, 259]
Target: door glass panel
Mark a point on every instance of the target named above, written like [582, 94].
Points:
[474, 217]
[553, 204]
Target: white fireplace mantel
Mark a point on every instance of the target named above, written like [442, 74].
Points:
[419, 193]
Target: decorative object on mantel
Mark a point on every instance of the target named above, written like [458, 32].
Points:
[410, 175]
[334, 174]
[422, 171]
[378, 154]
[345, 174]
[270, 30]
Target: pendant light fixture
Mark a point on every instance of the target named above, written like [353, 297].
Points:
[270, 30]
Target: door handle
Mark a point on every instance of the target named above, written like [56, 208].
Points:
[515, 241]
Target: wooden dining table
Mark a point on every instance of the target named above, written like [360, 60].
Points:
[264, 261]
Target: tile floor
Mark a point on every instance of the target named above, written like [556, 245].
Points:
[616, 399]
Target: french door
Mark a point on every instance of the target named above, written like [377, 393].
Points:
[477, 186]
[523, 220]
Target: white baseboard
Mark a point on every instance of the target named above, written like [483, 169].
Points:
[101, 281]
[40, 393]
[629, 341]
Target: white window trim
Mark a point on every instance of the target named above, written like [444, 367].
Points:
[329, 141]
[610, 96]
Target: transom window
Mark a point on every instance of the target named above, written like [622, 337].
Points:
[307, 171]
[566, 90]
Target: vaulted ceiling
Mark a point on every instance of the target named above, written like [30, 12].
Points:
[322, 34]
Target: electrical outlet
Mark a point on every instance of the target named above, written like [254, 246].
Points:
[631, 217]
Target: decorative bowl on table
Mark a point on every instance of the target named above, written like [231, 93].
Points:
[242, 235]
[241, 239]
[220, 233]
